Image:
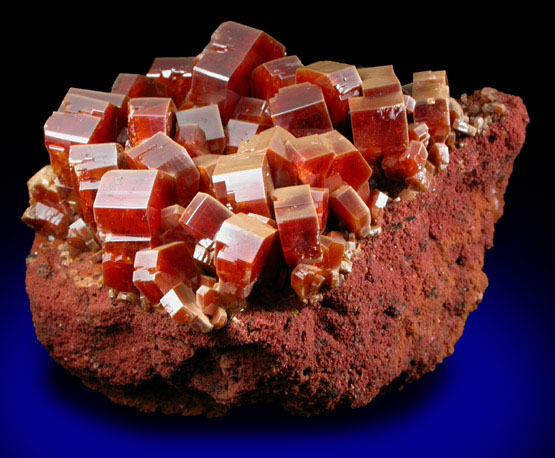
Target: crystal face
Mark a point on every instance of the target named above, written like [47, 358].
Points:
[223, 71]
[204, 216]
[253, 110]
[339, 82]
[162, 153]
[431, 93]
[79, 104]
[298, 225]
[379, 125]
[312, 158]
[306, 280]
[120, 101]
[148, 116]
[193, 139]
[175, 73]
[242, 246]
[206, 165]
[129, 202]
[42, 187]
[379, 80]
[269, 77]
[243, 182]
[208, 119]
[46, 219]
[438, 154]
[181, 305]
[400, 166]
[301, 110]
[133, 85]
[81, 236]
[321, 197]
[237, 132]
[351, 210]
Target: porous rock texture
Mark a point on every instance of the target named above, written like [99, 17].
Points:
[397, 315]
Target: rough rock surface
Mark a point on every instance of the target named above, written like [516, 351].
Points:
[398, 314]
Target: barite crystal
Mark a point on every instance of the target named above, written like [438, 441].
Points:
[162, 153]
[273, 142]
[148, 116]
[312, 158]
[321, 197]
[348, 165]
[379, 125]
[237, 132]
[242, 246]
[351, 210]
[298, 225]
[269, 77]
[204, 216]
[398, 167]
[243, 182]
[306, 280]
[158, 270]
[338, 81]
[208, 119]
[379, 80]
[253, 110]
[223, 71]
[175, 73]
[193, 139]
[180, 303]
[133, 85]
[301, 109]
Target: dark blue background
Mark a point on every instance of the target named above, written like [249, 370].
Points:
[493, 397]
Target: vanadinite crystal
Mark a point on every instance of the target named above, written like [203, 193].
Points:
[306, 280]
[120, 101]
[133, 85]
[204, 216]
[237, 132]
[379, 80]
[339, 82]
[79, 104]
[223, 71]
[431, 92]
[175, 73]
[149, 115]
[181, 304]
[312, 158]
[321, 197]
[209, 120]
[351, 210]
[253, 110]
[193, 139]
[301, 109]
[270, 77]
[400, 166]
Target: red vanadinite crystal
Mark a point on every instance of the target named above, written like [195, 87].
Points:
[237, 132]
[377, 203]
[253, 110]
[332, 250]
[148, 116]
[379, 80]
[270, 77]
[306, 280]
[431, 92]
[339, 82]
[400, 166]
[42, 188]
[206, 165]
[176, 74]
[379, 125]
[133, 85]
[272, 142]
[298, 225]
[438, 154]
[223, 71]
[120, 101]
[79, 104]
[301, 109]
[321, 197]
[243, 182]
[351, 210]
[204, 216]
[193, 139]
[242, 246]
[46, 219]
[162, 153]
[81, 236]
[208, 119]
[181, 304]
[312, 158]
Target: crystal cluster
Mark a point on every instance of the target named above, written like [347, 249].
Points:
[212, 176]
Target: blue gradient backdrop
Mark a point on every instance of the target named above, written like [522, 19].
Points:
[493, 397]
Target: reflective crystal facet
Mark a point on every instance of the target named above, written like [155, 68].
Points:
[133, 85]
[306, 280]
[206, 165]
[79, 104]
[175, 73]
[208, 119]
[379, 80]
[243, 182]
[351, 210]
[237, 132]
[312, 158]
[400, 166]
[379, 124]
[431, 92]
[321, 196]
[438, 154]
[338, 81]
[332, 250]
[204, 216]
[253, 110]
[270, 77]
[81, 236]
[148, 116]
[223, 71]
[377, 203]
[193, 139]
[42, 187]
[298, 225]
[181, 304]
[46, 219]
[301, 109]
[120, 101]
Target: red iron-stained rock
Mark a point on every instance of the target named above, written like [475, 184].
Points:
[379, 125]
[339, 82]
[270, 77]
[306, 280]
[81, 236]
[120, 101]
[193, 139]
[379, 80]
[312, 158]
[46, 219]
[208, 119]
[351, 210]
[175, 73]
[400, 166]
[253, 110]
[243, 182]
[157, 270]
[301, 109]
[79, 104]
[298, 225]
[237, 132]
[321, 197]
[204, 216]
[65, 129]
[180, 303]
[242, 246]
[206, 165]
[377, 202]
[148, 116]
[438, 154]
[129, 202]
[223, 71]
[133, 85]
[348, 165]
[273, 143]
[162, 153]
